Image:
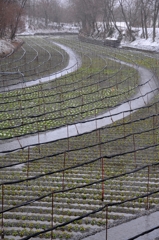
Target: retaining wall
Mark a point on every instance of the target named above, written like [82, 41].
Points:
[106, 42]
[57, 33]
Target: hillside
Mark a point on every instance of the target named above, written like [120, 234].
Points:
[7, 46]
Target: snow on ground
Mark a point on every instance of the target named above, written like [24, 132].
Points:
[144, 44]
[139, 43]
[33, 26]
[5, 47]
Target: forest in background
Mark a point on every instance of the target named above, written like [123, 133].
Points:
[137, 13]
[11, 12]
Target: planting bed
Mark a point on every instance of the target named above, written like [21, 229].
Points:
[37, 58]
[94, 88]
[73, 187]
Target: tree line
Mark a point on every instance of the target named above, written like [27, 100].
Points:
[11, 12]
[136, 13]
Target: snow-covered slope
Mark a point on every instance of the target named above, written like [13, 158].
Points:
[141, 43]
[7, 46]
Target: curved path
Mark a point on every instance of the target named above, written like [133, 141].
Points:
[132, 228]
[148, 87]
[73, 64]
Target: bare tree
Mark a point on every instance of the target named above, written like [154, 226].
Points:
[129, 11]
[145, 13]
[149, 13]
[86, 11]
[18, 12]
[136, 13]
[10, 16]
[155, 16]
[67, 14]
[3, 9]
[109, 18]
[49, 10]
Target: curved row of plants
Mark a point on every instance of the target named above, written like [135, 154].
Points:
[67, 179]
[86, 93]
[35, 59]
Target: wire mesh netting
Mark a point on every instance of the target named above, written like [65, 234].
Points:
[78, 152]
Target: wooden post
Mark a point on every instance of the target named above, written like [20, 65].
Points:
[52, 216]
[100, 151]
[63, 180]
[106, 223]
[154, 135]
[134, 151]
[96, 123]
[2, 225]
[130, 109]
[102, 179]
[148, 184]
[39, 140]
[28, 162]
[68, 138]
[124, 124]
[28, 165]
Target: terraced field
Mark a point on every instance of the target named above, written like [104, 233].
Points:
[73, 187]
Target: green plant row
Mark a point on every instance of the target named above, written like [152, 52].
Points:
[138, 130]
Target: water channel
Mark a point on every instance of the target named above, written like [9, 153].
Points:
[146, 91]
[132, 228]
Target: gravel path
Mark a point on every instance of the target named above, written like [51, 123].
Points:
[132, 228]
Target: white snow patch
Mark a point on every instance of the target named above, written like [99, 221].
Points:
[5, 47]
[142, 43]
[33, 26]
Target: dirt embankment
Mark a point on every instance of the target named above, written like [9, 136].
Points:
[8, 47]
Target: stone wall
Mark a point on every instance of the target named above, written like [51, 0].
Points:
[56, 33]
[106, 42]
